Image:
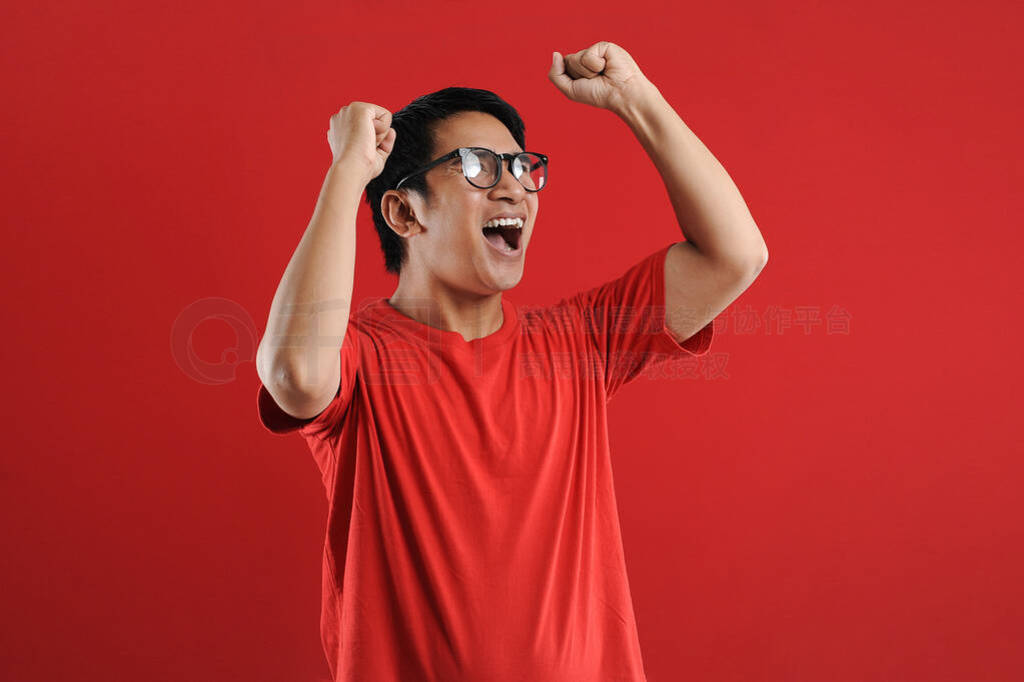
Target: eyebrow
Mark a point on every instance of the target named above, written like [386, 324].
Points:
[518, 151]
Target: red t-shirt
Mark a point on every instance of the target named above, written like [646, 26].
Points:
[472, 531]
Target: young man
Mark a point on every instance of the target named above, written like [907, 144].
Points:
[473, 532]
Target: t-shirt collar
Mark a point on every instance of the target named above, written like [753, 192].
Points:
[381, 309]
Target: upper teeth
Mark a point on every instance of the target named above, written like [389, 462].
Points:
[505, 222]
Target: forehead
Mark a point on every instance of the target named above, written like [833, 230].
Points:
[473, 129]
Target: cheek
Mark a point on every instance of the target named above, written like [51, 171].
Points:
[457, 239]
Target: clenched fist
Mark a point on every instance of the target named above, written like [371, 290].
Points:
[361, 135]
[603, 75]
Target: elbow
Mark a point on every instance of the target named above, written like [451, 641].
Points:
[294, 374]
[758, 259]
[762, 260]
[276, 369]
[750, 265]
[747, 257]
[757, 255]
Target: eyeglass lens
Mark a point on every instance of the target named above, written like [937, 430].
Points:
[480, 166]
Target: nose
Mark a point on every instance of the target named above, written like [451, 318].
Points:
[508, 186]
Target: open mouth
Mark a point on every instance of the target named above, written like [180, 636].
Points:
[505, 238]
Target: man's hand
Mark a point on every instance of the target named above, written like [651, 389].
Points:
[361, 134]
[603, 75]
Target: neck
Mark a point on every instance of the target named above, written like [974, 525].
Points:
[472, 316]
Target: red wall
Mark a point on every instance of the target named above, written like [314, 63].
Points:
[840, 501]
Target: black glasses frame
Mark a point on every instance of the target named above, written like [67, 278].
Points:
[507, 156]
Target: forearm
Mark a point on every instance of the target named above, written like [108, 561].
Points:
[310, 310]
[708, 206]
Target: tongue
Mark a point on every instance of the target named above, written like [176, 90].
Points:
[495, 238]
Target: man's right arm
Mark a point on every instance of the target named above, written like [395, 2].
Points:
[298, 359]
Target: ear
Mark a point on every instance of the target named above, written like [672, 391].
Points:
[398, 212]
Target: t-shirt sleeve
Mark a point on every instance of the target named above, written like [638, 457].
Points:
[624, 324]
[276, 420]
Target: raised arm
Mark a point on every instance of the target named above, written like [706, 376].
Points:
[724, 250]
[298, 359]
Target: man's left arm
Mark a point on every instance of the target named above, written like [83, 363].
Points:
[724, 251]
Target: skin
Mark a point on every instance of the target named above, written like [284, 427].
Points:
[453, 279]
[724, 250]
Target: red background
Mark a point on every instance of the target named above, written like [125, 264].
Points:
[838, 504]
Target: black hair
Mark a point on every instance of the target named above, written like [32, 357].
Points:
[415, 126]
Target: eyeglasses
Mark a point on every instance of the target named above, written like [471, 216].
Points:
[482, 167]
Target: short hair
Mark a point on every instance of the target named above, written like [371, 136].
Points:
[415, 127]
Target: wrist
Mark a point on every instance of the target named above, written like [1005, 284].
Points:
[353, 172]
[344, 183]
[638, 103]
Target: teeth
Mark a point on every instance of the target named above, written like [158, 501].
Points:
[505, 222]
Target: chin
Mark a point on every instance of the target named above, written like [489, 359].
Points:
[511, 284]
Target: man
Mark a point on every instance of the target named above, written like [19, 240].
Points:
[472, 532]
